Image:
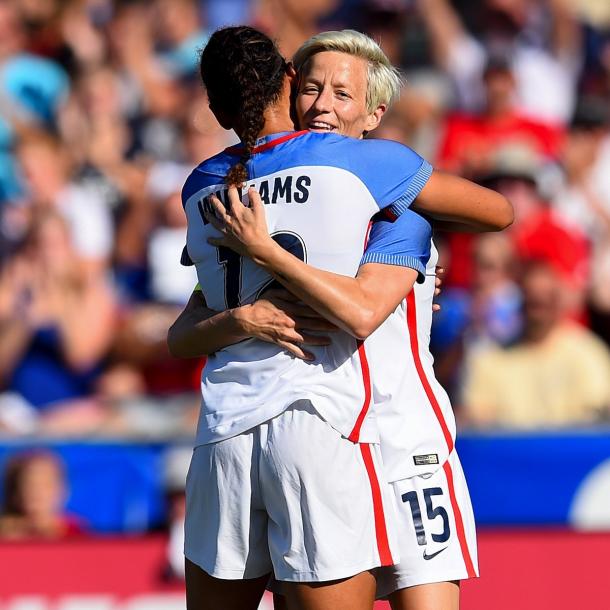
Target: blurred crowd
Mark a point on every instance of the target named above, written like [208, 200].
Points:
[102, 116]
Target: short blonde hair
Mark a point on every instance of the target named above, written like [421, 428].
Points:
[384, 80]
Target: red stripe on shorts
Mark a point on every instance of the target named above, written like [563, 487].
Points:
[459, 523]
[381, 532]
[412, 324]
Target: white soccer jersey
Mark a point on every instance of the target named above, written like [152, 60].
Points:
[319, 191]
[414, 414]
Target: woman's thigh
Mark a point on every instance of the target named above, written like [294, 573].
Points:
[432, 596]
[204, 592]
[355, 593]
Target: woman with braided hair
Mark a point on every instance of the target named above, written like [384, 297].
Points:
[258, 74]
[284, 474]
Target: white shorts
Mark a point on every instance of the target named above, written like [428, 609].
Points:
[290, 496]
[437, 537]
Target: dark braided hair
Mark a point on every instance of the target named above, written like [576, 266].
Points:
[243, 72]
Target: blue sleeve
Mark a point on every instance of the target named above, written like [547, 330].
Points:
[404, 241]
[393, 173]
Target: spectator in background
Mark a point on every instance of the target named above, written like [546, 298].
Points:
[34, 494]
[470, 140]
[154, 99]
[556, 374]
[538, 232]
[32, 89]
[49, 180]
[480, 303]
[541, 38]
[149, 393]
[179, 32]
[168, 284]
[57, 322]
[595, 19]
[474, 145]
[489, 313]
[582, 200]
[95, 129]
[496, 298]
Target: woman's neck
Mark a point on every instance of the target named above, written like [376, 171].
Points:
[277, 116]
[275, 122]
[276, 127]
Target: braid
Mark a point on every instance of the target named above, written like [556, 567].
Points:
[251, 113]
[243, 73]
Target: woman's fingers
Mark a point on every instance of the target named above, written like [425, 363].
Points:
[236, 208]
[296, 350]
[223, 223]
[319, 340]
[438, 280]
[256, 203]
[219, 225]
[220, 212]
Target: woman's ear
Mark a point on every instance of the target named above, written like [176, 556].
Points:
[222, 117]
[291, 71]
[374, 118]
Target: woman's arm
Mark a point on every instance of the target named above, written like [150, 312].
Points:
[200, 331]
[276, 318]
[357, 305]
[457, 201]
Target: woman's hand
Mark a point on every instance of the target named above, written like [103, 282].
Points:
[278, 317]
[438, 282]
[243, 228]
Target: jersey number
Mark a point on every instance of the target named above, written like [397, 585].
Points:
[431, 511]
[232, 263]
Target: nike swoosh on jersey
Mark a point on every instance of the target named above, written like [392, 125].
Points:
[433, 555]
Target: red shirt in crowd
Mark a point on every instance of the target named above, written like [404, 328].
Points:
[470, 141]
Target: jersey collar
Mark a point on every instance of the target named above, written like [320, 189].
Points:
[267, 142]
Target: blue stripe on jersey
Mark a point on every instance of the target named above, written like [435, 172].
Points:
[392, 173]
[400, 260]
[417, 184]
[404, 241]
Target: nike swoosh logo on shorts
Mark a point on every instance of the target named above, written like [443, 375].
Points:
[427, 557]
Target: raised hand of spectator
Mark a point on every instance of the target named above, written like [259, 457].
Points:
[84, 40]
